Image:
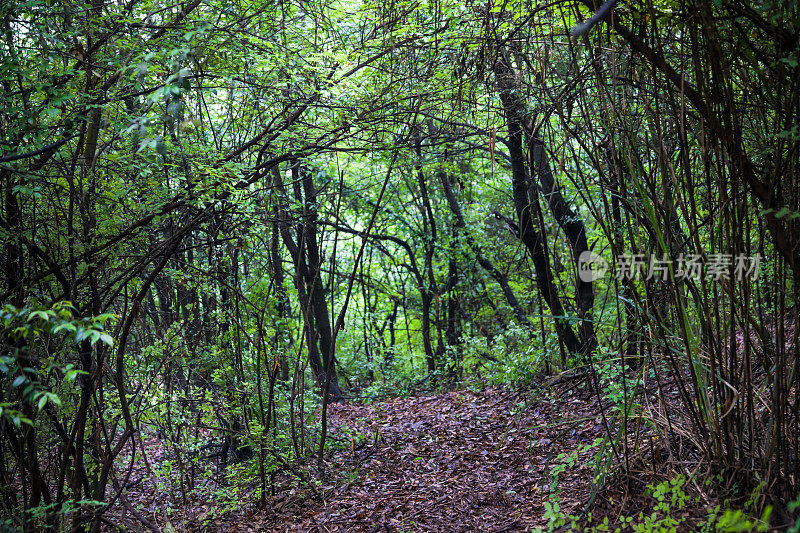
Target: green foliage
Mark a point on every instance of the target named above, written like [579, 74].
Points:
[174, 164]
[737, 521]
[41, 514]
[620, 387]
[29, 323]
[669, 500]
[794, 507]
[727, 518]
[516, 356]
[32, 384]
[669, 513]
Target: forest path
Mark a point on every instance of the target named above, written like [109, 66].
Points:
[458, 461]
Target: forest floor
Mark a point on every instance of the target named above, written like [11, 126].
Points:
[464, 460]
[458, 461]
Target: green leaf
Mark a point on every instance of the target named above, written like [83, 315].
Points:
[93, 336]
[65, 326]
[41, 314]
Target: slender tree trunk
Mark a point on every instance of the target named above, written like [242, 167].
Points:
[429, 292]
[575, 230]
[453, 332]
[525, 206]
[281, 343]
[322, 317]
[308, 282]
[487, 265]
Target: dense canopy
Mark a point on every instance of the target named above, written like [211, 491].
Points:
[214, 211]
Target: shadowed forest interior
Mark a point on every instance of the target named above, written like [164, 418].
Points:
[399, 265]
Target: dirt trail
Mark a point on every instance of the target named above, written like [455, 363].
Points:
[460, 461]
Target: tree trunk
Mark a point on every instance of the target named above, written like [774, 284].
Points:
[525, 205]
[487, 265]
[309, 282]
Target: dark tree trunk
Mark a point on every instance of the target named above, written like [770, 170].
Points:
[13, 267]
[575, 231]
[453, 332]
[322, 317]
[391, 318]
[525, 206]
[281, 342]
[308, 280]
[429, 291]
[427, 298]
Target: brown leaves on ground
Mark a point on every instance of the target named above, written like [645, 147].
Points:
[456, 461]
[460, 461]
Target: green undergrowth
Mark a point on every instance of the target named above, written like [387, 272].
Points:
[671, 505]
